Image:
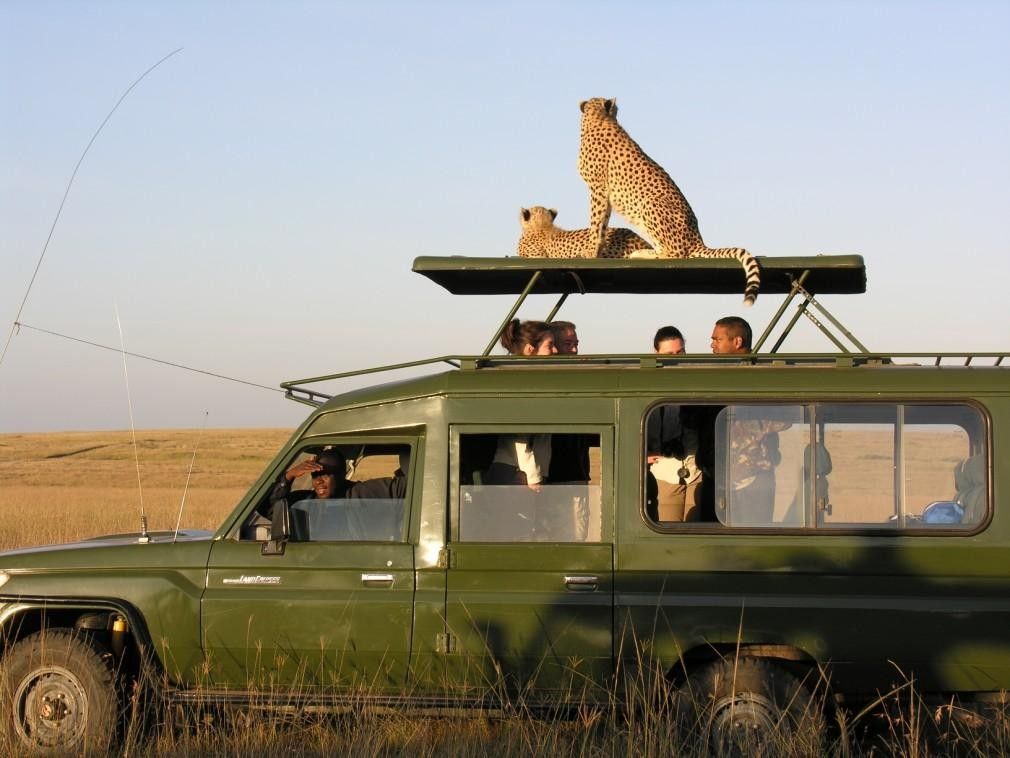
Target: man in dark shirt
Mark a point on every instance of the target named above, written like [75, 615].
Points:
[329, 480]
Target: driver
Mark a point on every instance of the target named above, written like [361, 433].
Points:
[329, 480]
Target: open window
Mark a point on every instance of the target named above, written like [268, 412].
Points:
[351, 491]
[529, 486]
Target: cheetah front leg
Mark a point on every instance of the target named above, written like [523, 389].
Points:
[599, 216]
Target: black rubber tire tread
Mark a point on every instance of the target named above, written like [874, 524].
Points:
[747, 676]
[87, 660]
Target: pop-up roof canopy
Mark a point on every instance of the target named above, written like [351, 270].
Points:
[801, 276]
[835, 274]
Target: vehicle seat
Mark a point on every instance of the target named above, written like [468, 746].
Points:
[969, 485]
[795, 513]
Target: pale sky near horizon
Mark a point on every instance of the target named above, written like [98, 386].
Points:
[253, 207]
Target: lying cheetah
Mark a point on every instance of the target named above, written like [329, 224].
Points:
[622, 176]
[541, 239]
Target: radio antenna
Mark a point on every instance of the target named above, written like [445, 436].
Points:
[144, 537]
[188, 475]
[66, 191]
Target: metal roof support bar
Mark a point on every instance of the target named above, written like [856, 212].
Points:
[797, 285]
[800, 310]
[512, 313]
[827, 332]
[835, 322]
[556, 308]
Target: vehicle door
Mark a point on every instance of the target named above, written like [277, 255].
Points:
[333, 605]
[530, 570]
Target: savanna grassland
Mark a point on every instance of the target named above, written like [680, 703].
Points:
[61, 487]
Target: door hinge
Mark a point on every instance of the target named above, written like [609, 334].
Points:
[445, 643]
[445, 557]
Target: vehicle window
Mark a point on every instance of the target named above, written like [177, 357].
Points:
[673, 475]
[845, 466]
[348, 492]
[347, 520]
[529, 487]
[759, 465]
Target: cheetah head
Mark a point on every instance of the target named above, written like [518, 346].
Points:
[599, 107]
[537, 218]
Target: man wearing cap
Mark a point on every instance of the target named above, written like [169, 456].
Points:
[329, 480]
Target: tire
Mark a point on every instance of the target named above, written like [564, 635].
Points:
[749, 706]
[58, 694]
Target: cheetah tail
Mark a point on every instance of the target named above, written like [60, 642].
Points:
[750, 269]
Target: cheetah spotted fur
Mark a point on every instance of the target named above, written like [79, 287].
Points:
[542, 239]
[622, 177]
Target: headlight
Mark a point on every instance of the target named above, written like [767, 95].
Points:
[4, 578]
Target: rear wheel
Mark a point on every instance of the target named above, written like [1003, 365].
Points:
[58, 693]
[747, 706]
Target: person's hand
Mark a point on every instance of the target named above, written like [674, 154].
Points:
[535, 486]
[300, 469]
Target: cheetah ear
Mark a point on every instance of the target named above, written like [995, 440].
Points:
[582, 106]
[553, 212]
[609, 105]
[524, 214]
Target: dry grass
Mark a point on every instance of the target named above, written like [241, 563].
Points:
[61, 487]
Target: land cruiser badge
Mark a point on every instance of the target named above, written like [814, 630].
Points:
[256, 579]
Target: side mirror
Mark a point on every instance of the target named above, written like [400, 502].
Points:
[280, 529]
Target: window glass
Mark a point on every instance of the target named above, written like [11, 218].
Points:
[347, 520]
[842, 466]
[760, 465]
[860, 440]
[931, 452]
[529, 487]
[347, 492]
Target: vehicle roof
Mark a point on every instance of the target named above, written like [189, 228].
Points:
[689, 376]
[462, 275]
[604, 374]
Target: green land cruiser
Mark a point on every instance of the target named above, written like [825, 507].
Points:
[879, 553]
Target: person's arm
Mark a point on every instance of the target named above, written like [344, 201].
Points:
[653, 434]
[283, 487]
[526, 461]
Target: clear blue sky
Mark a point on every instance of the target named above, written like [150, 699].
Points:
[254, 206]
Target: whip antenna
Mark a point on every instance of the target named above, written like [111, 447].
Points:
[70, 183]
[144, 536]
[188, 475]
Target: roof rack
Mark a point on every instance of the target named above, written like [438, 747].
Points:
[799, 278]
[802, 277]
[295, 390]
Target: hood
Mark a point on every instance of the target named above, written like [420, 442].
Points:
[113, 540]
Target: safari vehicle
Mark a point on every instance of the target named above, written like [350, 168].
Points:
[882, 551]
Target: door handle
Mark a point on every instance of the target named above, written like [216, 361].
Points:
[582, 583]
[377, 580]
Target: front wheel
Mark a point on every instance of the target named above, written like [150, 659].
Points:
[58, 694]
[748, 706]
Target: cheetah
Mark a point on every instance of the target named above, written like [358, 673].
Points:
[542, 239]
[621, 176]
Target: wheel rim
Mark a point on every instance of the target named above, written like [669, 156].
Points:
[51, 708]
[744, 721]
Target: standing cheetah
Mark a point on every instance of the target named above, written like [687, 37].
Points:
[541, 239]
[622, 176]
